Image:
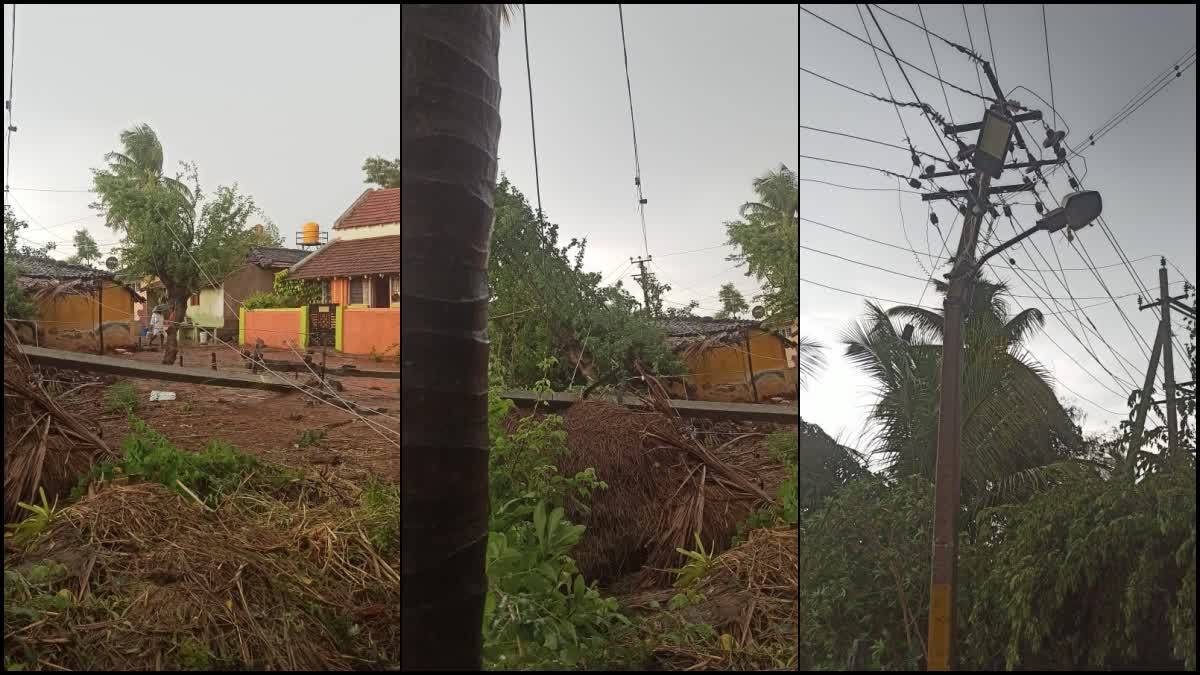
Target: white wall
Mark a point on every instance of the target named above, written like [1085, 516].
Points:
[365, 232]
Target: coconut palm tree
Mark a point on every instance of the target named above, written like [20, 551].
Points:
[811, 358]
[451, 127]
[144, 156]
[1016, 436]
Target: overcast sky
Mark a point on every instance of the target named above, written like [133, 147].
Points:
[1145, 169]
[285, 101]
[715, 98]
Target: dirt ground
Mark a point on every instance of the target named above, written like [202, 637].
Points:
[270, 424]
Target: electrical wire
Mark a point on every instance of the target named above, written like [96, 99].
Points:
[851, 187]
[991, 45]
[1026, 269]
[537, 180]
[936, 68]
[919, 70]
[12, 59]
[636, 160]
[869, 140]
[886, 84]
[971, 39]
[1049, 69]
[861, 166]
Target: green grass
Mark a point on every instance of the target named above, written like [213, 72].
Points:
[121, 397]
[380, 503]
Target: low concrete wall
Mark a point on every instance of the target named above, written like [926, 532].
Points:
[276, 327]
[364, 329]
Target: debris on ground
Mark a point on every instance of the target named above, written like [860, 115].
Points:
[138, 577]
[44, 445]
[162, 395]
[664, 485]
[749, 596]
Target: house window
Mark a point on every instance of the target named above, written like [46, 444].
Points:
[357, 287]
[194, 300]
[326, 291]
[395, 288]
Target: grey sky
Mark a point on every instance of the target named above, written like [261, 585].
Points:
[714, 93]
[1145, 169]
[285, 101]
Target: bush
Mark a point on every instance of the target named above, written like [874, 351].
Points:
[540, 612]
[149, 456]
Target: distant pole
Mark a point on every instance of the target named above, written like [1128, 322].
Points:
[750, 368]
[1168, 362]
[643, 278]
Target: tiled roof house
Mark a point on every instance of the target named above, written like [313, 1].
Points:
[360, 267]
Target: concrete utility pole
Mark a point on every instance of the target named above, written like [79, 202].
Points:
[1162, 345]
[643, 278]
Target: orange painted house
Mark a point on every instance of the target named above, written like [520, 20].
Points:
[359, 270]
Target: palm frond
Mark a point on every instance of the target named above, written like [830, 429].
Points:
[811, 358]
[926, 321]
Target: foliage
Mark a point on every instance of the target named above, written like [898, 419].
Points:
[35, 524]
[310, 437]
[811, 357]
[299, 292]
[86, 249]
[697, 566]
[17, 303]
[380, 504]
[149, 456]
[1017, 437]
[270, 235]
[732, 302]
[686, 311]
[542, 302]
[171, 230]
[783, 447]
[768, 241]
[122, 398]
[828, 465]
[382, 172]
[540, 613]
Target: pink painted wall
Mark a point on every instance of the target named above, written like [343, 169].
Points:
[363, 329]
[276, 327]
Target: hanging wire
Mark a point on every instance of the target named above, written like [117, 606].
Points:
[637, 162]
[537, 180]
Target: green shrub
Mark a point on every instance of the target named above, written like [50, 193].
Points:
[210, 474]
[380, 504]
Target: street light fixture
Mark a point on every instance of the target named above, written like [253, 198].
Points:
[1077, 210]
[992, 146]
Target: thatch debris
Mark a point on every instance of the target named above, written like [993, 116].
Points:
[155, 580]
[664, 485]
[44, 445]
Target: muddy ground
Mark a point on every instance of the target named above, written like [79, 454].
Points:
[271, 424]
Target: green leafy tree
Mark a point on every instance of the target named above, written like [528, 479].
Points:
[543, 302]
[732, 302]
[17, 303]
[686, 311]
[269, 236]
[86, 250]
[768, 242]
[382, 172]
[171, 230]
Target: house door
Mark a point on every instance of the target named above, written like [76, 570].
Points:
[322, 325]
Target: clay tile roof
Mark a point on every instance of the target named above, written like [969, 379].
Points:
[271, 256]
[704, 325]
[57, 269]
[342, 258]
[373, 207]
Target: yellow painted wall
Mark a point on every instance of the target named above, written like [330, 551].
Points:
[720, 374]
[83, 314]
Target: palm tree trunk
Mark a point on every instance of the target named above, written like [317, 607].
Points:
[451, 124]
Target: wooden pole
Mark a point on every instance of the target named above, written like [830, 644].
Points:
[750, 368]
[100, 314]
[1135, 438]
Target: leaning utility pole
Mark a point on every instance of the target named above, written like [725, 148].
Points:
[1162, 345]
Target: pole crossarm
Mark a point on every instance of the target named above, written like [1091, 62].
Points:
[958, 194]
[973, 126]
[1020, 165]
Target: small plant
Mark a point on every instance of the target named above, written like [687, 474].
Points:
[310, 437]
[381, 508]
[32, 526]
[186, 407]
[193, 655]
[699, 562]
[122, 398]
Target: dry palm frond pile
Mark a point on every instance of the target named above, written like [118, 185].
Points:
[44, 445]
[750, 599]
[664, 485]
[136, 577]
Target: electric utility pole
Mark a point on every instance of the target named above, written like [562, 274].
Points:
[644, 278]
[1162, 346]
[1079, 208]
